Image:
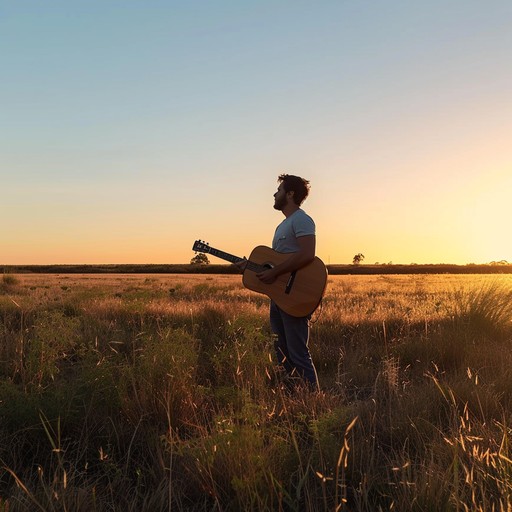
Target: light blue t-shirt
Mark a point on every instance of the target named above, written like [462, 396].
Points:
[298, 224]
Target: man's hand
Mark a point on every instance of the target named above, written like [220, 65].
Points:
[241, 264]
[267, 276]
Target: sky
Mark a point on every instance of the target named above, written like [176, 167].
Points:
[129, 129]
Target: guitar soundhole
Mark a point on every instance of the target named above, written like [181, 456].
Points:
[268, 266]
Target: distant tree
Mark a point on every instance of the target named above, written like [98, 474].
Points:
[200, 259]
[358, 258]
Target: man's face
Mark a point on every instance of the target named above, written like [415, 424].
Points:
[280, 199]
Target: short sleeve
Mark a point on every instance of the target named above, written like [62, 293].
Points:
[303, 225]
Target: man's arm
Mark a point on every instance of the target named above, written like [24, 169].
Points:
[303, 256]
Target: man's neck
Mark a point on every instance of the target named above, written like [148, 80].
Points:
[289, 209]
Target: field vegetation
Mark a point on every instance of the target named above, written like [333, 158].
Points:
[495, 267]
[159, 392]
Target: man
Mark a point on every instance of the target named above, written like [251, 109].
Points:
[295, 235]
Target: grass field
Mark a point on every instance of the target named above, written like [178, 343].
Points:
[159, 392]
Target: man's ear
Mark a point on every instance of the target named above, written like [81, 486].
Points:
[290, 194]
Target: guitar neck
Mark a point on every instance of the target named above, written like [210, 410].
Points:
[234, 259]
[223, 255]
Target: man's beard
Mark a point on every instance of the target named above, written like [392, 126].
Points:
[279, 204]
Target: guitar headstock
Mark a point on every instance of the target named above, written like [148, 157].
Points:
[201, 246]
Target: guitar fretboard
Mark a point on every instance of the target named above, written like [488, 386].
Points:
[255, 267]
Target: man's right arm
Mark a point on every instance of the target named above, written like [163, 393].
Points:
[302, 257]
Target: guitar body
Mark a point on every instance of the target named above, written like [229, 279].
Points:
[298, 293]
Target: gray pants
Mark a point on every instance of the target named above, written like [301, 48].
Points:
[291, 344]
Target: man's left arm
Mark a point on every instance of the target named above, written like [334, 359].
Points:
[303, 256]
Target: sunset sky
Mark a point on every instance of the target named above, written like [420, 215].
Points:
[128, 129]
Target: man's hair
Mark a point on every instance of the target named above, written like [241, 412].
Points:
[299, 186]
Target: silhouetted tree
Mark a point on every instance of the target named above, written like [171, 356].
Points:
[200, 259]
[358, 258]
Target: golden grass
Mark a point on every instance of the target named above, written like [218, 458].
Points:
[158, 392]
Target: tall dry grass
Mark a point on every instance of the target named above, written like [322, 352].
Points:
[160, 393]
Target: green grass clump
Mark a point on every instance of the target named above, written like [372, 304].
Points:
[8, 283]
[9, 279]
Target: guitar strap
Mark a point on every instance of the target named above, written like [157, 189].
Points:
[317, 312]
[289, 284]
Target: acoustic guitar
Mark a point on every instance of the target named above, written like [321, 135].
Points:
[297, 293]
